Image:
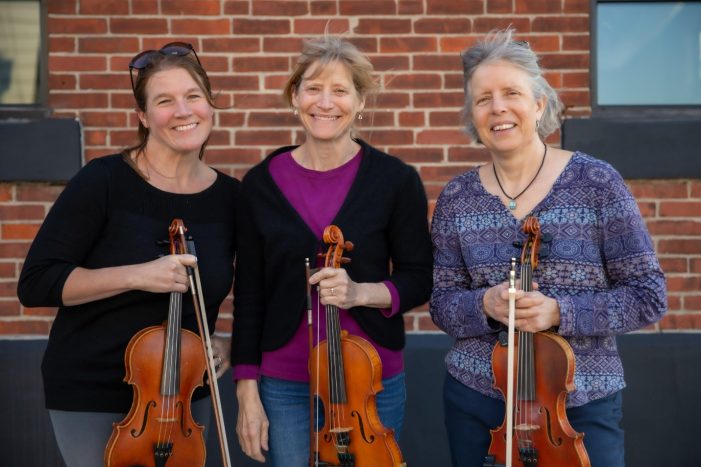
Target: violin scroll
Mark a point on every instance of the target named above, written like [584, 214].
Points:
[334, 255]
[529, 254]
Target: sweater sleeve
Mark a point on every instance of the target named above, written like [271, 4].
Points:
[637, 293]
[410, 247]
[66, 237]
[456, 306]
[249, 285]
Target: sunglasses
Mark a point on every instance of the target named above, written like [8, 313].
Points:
[144, 59]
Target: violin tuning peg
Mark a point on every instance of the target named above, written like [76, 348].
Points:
[345, 260]
[348, 246]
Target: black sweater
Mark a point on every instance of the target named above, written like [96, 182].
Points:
[109, 216]
[384, 215]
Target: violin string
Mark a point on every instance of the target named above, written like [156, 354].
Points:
[531, 365]
[517, 390]
[331, 371]
[165, 408]
[523, 413]
[317, 402]
[332, 341]
[528, 360]
[174, 324]
[342, 395]
[524, 363]
[174, 394]
[165, 378]
[174, 359]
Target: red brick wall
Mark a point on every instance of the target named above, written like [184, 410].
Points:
[248, 47]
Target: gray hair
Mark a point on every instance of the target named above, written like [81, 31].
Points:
[498, 45]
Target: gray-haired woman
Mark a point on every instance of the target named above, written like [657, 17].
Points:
[601, 276]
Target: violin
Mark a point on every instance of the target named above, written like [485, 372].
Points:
[534, 372]
[165, 364]
[352, 434]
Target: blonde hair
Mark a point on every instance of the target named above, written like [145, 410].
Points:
[324, 51]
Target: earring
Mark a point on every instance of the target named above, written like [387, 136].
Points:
[360, 116]
[537, 124]
[295, 112]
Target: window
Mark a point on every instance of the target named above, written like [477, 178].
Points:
[646, 53]
[645, 89]
[35, 147]
[22, 61]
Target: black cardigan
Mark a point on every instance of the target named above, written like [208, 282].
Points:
[384, 215]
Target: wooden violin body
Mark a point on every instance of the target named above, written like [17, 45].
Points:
[352, 434]
[159, 430]
[368, 442]
[547, 438]
[542, 373]
[164, 365]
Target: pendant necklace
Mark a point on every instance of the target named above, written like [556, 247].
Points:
[512, 199]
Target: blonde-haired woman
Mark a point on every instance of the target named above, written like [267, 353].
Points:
[379, 204]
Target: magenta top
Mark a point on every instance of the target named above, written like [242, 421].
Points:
[301, 187]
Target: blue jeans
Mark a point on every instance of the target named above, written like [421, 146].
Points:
[286, 404]
[469, 415]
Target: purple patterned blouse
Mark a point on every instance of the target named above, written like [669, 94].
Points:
[600, 265]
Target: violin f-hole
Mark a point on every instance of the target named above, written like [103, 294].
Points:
[136, 434]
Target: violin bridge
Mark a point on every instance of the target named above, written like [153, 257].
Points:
[341, 430]
[526, 427]
[166, 420]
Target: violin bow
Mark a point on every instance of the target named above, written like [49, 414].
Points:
[510, 365]
[313, 448]
[201, 315]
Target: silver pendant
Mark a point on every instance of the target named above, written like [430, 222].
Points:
[512, 204]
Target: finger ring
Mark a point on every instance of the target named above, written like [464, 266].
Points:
[331, 290]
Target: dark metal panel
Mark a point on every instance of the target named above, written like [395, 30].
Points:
[41, 150]
[27, 439]
[660, 404]
[639, 148]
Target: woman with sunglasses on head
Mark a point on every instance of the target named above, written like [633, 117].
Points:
[380, 206]
[99, 255]
[597, 275]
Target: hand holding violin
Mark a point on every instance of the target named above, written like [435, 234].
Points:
[337, 288]
[534, 311]
[165, 274]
